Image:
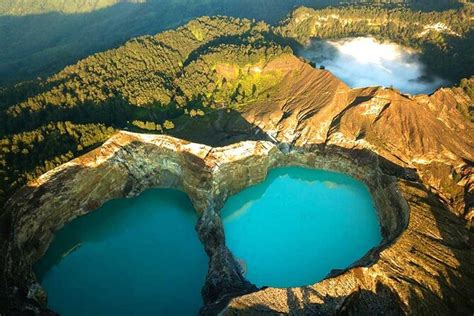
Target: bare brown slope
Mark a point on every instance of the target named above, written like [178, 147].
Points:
[313, 106]
[424, 133]
[420, 147]
[426, 271]
[302, 106]
[413, 130]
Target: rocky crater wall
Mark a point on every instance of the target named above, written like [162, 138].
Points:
[128, 164]
[415, 153]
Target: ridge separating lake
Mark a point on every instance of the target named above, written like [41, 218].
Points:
[365, 61]
[299, 224]
[138, 256]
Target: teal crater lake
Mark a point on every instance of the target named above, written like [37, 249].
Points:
[138, 256]
[298, 225]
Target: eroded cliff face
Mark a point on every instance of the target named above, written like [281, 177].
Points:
[130, 163]
[427, 145]
[414, 153]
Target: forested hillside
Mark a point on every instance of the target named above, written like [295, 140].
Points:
[444, 39]
[208, 66]
[25, 7]
[40, 37]
[144, 85]
[40, 44]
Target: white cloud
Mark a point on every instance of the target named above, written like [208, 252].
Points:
[362, 62]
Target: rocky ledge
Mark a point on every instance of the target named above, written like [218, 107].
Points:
[424, 263]
[415, 153]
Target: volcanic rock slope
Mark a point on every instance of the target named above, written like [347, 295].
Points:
[421, 132]
[426, 271]
[414, 152]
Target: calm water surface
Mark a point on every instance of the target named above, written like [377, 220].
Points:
[142, 256]
[138, 256]
[298, 225]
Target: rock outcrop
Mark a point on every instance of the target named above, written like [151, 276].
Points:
[414, 153]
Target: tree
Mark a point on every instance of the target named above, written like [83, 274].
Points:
[168, 124]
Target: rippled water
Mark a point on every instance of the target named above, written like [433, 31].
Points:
[298, 225]
[136, 256]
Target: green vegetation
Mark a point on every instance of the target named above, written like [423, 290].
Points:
[191, 75]
[467, 84]
[444, 39]
[140, 73]
[145, 85]
[231, 75]
[25, 156]
[39, 40]
[40, 37]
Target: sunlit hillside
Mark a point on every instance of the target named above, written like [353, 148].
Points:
[40, 37]
[24, 7]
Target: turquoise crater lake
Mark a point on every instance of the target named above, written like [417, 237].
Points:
[139, 256]
[298, 225]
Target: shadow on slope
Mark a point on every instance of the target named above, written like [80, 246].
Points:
[443, 260]
[85, 189]
[426, 270]
[218, 128]
[42, 44]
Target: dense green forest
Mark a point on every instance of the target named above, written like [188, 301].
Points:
[467, 84]
[41, 44]
[444, 39]
[25, 156]
[40, 37]
[142, 86]
[155, 83]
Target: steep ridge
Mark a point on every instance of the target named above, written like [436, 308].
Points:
[129, 87]
[310, 119]
[425, 133]
[305, 95]
[415, 153]
[407, 129]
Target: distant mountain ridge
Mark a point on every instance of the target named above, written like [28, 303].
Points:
[24, 7]
[40, 37]
[231, 82]
[186, 82]
[444, 40]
